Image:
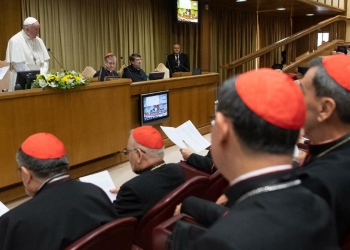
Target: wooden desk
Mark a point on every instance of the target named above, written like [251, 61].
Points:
[94, 121]
[190, 98]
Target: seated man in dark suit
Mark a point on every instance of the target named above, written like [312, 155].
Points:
[253, 141]
[134, 70]
[108, 69]
[156, 178]
[61, 209]
[204, 163]
[326, 88]
[178, 62]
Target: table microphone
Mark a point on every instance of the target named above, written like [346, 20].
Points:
[49, 50]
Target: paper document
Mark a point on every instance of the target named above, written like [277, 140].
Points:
[102, 180]
[188, 133]
[3, 208]
[3, 71]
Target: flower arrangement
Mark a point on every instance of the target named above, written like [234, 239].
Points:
[59, 80]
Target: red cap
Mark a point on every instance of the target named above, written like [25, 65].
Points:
[274, 97]
[109, 54]
[338, 68]
[148, 137]
[43, 146]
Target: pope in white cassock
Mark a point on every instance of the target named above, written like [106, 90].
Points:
[25, 51]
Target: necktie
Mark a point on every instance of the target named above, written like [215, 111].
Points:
[177, 60]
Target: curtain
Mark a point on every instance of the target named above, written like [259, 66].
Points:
[232, 35]
[80, 32]
[272, 29]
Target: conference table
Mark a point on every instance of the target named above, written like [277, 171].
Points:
[94, 121]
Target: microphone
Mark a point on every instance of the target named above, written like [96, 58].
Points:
[168, 63]
[182, 66]
[127, 68]
[49, 50]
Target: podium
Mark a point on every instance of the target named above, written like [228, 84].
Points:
[179, 74]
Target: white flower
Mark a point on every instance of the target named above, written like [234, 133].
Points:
[42, 83]
[52, 85]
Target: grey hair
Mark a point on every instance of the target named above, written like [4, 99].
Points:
[325, 86]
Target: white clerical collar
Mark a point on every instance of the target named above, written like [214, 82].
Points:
[260, 172]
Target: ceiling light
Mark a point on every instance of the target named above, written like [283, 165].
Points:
[310, 14]
[281, 8]
[238, 1]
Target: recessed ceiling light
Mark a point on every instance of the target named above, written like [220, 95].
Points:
[238, 1]
[310, 14]
[281, 8]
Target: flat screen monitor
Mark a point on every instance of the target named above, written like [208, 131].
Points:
[156, 75]
[187, 11]
[25, 79]
[196, 71]
[154, 108]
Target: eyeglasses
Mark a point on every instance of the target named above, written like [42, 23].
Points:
[127, 151]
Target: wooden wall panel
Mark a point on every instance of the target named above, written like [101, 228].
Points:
[92, 122]
[11, 21]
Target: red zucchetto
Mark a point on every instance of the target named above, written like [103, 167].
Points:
[148, 137]
[43, 146]
[338, 68]
[274, 97]
[109, 54]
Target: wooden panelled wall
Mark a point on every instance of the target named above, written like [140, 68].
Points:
[11, 23]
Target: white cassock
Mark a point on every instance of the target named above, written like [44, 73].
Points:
[26, 54]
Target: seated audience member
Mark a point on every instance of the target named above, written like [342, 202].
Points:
[134, 70]
[253, 140]
[204, 163]
[278, 67]
[326, 88]
[61, 209]
[341, 50]
[108, 69]
[156, 178]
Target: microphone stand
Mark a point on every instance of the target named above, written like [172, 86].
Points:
[171, 70]
[127, 68]
[49, 50]
[182, 66]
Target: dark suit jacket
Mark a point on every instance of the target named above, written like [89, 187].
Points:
[204, 163]
[184, 63]
[332, 171]
[290, 218]
[136, 75]
[101, 76]
[142, 192]
[59, 214]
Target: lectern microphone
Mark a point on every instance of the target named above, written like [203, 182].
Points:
[49, 50]
[180, 65]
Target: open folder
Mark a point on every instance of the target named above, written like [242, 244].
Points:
[188, 133]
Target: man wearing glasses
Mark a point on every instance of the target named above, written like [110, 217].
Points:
[156, 179]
